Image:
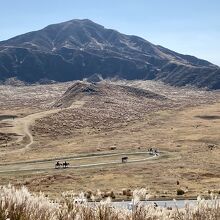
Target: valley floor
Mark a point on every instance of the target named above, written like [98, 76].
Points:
[185, 128]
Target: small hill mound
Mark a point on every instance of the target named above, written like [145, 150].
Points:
[76, 92]
[85, 90]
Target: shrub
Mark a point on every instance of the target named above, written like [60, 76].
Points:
[112, 195]
[124, 192]
[180, 192]
[88, 194]
[113, 148]
[129, 193]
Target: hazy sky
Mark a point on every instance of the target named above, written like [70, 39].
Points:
[186, 26]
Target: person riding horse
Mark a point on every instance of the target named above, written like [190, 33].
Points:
[58, 164]
[65, 164]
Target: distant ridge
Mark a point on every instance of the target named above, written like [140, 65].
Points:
[78, 49]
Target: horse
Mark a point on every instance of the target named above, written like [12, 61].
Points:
[124, 159]
[65, 165]
[58, 165]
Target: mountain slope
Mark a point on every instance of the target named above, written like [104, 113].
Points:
[80, 48]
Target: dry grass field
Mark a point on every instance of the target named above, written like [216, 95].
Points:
[96, 126]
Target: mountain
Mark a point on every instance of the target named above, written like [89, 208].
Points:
[78, 49]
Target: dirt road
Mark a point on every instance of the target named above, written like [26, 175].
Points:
[22, 126]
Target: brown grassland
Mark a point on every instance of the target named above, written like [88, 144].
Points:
[184, 127]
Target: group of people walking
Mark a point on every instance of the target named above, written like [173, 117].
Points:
[153, 151]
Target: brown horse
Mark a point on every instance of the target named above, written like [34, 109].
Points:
[124, 159]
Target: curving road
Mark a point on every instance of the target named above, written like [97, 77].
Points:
[43, 165]
[22, 126]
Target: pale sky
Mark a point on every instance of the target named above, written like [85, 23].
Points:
[185, 26]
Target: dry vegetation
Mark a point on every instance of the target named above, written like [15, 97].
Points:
[19, 204]
[106, 107]
[185, 126]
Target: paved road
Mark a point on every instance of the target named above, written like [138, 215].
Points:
[167, 203]
[48, 164]
[163, 203]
